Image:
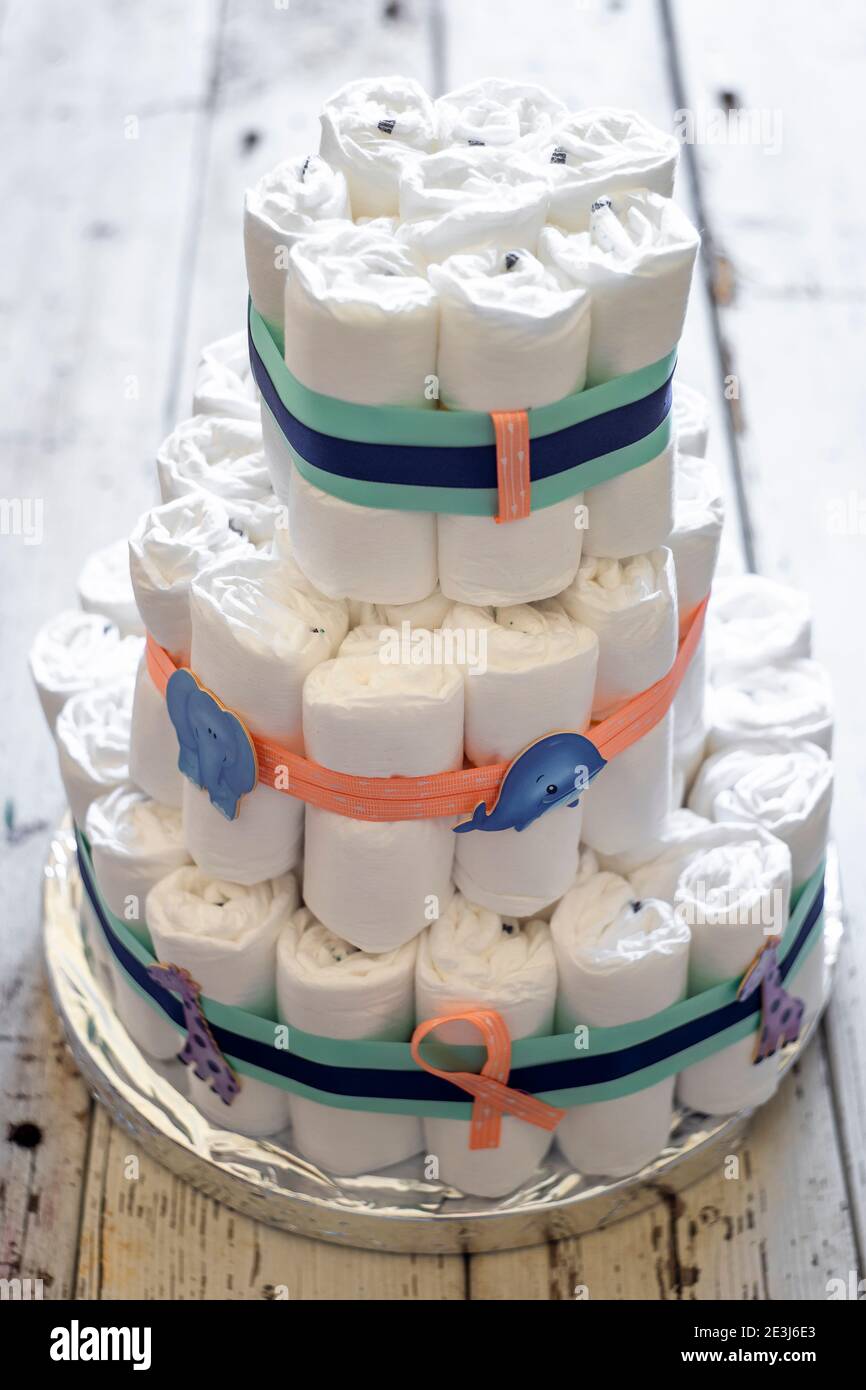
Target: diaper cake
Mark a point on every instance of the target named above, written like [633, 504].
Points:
[430, 807]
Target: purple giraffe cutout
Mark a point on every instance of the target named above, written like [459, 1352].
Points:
[201, 1047]
[781, 1012]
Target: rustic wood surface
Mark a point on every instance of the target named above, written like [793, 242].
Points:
[130, 134]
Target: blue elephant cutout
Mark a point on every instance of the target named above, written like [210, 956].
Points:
[216, 751]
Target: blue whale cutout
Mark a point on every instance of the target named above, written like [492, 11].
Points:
[216, 752]
[553, 771]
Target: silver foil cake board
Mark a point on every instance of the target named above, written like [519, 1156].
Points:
[396, 1209]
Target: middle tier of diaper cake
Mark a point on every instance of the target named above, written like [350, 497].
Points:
[484, 256]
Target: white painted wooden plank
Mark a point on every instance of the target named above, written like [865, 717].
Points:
[149, 1235]
[793, 224]
[93, 229]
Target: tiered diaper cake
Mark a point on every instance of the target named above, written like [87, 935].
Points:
[405, 813]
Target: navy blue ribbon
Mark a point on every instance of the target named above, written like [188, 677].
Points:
[463, 466]
[580, 1070]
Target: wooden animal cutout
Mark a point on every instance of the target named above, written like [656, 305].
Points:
[781, 1012]
[200, 1048]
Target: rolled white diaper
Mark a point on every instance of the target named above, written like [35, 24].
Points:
[169, 546]
[371, 719]
[286, 204]
[509, 339]
[635, 261]
[754, 621]
[654, 867]
[376, 554]
[327, 987]
[691, 724]
[698, 519]
[223, 381]
[791, 699]
[225, 935]
[428, 612]
[362, 326]
[785, 787]
[496, 112]
[631, 605]
[222, 455]
[732, 898]
[691, 419]
[77, 651]
[632, 794]
[361, 322]
[634, 512]
[93, 743]
[135, 842]
[370, 129]
[619, 960]
[104, 587]
[471, 958]
[462, 200]
[254, 640]
[153, 747]
[530, 672]
[604, 151]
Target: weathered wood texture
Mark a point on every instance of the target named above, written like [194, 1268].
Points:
[140, 263]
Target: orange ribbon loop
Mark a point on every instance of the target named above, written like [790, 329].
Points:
[511, 428]
[493, 1096]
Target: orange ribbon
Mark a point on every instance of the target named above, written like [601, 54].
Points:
[445, 794]
[493, 1096]
[511, 428]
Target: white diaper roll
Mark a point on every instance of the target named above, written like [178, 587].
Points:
[327, 987]
[690, 721]
[691, 419]
[631, 605]
[428, 612]
[529, 672]
[791, 700]
[509, 339]
[286, 204]
[632, 794]
[634, 512]
[471, 958]
[733, 898]
[785, 787]
[636, 262]
[135, 842]
[619, 960]
[225, 935]
[754, 621]
[375, 554]
[378, 883]
[223, 456]
[104, 587]
[224, 384]
[470, 200]
[169, 546]
[93, 743]
[496, 112]
[654, 867]
[153, 746]
[600, 152]
[698, 519]
[370, 129]
[77, 651]
[361, 322]
[255, 638]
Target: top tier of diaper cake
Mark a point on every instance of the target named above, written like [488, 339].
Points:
[405, 719]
